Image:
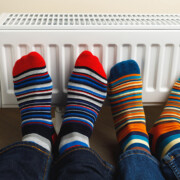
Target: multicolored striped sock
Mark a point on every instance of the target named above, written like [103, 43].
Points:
[86, 93]
[125, 94]
[165, 134]
[33, 89]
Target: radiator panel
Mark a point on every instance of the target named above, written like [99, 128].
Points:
[156, 52]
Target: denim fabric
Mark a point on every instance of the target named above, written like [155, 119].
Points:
[170, 165]
[24, 161]
[138, 165]
[29, 161]
[81, 163]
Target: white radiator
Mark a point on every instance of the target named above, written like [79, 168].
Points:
[152, 40]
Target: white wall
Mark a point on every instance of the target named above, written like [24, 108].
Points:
[91, 6]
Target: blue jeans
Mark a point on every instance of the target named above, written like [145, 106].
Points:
[26, 160]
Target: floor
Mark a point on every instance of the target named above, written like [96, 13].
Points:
[103, 140]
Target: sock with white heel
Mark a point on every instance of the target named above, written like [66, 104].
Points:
[33, 89]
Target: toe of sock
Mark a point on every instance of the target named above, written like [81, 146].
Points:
[87, 59]
[85, 54]
[29, 61]
[124, 68]
[83, 58]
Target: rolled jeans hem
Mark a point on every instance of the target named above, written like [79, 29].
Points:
[25, 160]
[82, 163]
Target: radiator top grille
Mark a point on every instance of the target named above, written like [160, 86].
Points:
[89, 21]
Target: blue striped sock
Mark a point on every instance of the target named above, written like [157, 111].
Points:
[33, 89]
[86, 94]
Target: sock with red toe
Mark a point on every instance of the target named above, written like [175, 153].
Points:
[86, 93]
[33, 89]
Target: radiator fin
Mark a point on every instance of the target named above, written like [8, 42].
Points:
[8, 57]
[167, 66]
[153, 67]
[140, 57]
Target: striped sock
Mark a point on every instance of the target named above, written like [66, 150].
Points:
[86, 93]
[33, 89]
[125, 94]
[165, 134]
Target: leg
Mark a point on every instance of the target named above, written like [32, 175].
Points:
[86, 93]
[125, 94]
[165, 135]
[25, 161]
[30, 159]
[81, 163]
[33, 89]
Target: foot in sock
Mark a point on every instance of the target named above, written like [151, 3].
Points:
[33, 89]
[165, 133]
[125, 94]
[86, 93]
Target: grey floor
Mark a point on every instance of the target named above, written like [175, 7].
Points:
[103, 140]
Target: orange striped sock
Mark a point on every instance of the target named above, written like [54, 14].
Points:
[165, 134]
[125, 94]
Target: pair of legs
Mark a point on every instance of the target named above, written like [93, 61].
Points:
[125, 93]
[32, 159]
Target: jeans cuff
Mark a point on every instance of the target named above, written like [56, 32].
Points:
[25, 160]
[27, 144]
[137, 152]
[170, 164]
[89, 152]
[171, 155]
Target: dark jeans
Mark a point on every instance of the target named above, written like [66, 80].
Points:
[26, 160]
